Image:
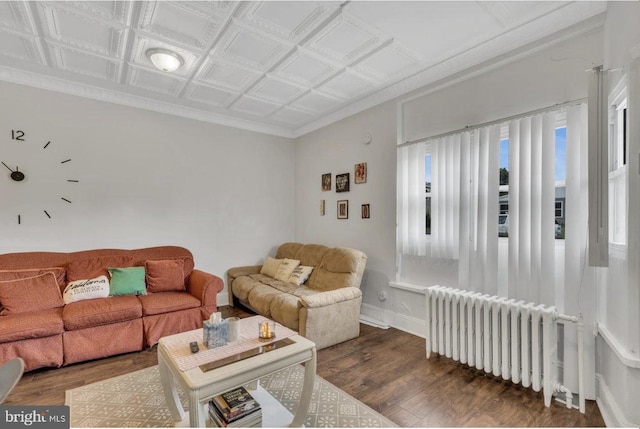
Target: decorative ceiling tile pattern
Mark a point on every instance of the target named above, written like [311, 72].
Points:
[280, 67]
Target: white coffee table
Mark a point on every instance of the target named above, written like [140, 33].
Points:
[201, 386]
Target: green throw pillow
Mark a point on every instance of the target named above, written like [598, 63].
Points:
[127, 281]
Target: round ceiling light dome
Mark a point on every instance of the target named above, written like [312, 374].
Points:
[164, 59]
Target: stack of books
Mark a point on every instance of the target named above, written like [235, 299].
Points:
[235, 408]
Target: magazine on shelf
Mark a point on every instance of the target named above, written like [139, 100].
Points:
[234, 404]
[253, 419]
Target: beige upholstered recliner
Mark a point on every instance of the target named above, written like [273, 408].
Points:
[324, 309]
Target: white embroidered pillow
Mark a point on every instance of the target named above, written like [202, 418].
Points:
[86, 289]
[300, 274]
[270, 266]
[286, 268]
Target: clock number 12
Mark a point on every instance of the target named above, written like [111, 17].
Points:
[17, 135]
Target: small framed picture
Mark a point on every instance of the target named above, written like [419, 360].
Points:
[321, 207]
[365, 211]
[360, 173]
[342, 182]
[343, 209]
[326, 182]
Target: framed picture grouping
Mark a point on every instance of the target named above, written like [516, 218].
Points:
[326, 182]
[360, 173]
[321, 207]
[342, 182]
[343, 209]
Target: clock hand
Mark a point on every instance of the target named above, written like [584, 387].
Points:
[8, 167]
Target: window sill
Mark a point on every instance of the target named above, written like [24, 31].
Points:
[409, 287]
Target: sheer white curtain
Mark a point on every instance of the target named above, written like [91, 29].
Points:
[445, 196]
[465, 207]
[532, 208]
[577, 295]
[411, 214]
[479, 189]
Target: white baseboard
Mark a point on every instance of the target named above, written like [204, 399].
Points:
[374, 316]
[381, 318]
[611, 412]
[222, 299]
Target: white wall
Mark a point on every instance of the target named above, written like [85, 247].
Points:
[552, 75]
[336, 149]
[618, 359]
[146, 179]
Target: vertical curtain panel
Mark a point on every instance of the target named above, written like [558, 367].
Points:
[532, 208]
[412, 238]
[478, 266]
[445, 196]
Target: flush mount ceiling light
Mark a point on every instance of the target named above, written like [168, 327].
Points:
[164, 59]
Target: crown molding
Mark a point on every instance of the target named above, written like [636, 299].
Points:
[23, 77]
[440, 75]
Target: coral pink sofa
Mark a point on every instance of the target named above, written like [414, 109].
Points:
[50, 333]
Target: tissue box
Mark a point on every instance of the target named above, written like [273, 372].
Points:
[215, 334]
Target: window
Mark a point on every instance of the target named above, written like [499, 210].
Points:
[618, 169]
[560, 177]
[618, 135]
[427, 190]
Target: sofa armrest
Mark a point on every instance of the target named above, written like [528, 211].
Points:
[205, 287]
[331, 297]
[234, 273]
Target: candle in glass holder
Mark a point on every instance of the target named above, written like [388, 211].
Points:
[267, 330]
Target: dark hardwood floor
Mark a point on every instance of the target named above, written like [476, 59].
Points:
[385, 369]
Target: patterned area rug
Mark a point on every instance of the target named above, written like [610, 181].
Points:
[137, 400]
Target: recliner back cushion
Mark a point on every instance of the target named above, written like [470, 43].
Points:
[288, 250]
[340, 267]
[311, 254]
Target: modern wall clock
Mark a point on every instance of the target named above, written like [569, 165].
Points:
[33, 171]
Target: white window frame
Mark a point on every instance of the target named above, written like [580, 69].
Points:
[618, 171]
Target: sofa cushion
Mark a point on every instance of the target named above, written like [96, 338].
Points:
[31, 325]
[59, 272]
[100, 311]
[311, 254]
[275, 283]
[80, 290]
[243, 285]
[166, 302]
[165, 275]
[127, 281]
[93, 267]
[270, 266]
[260, 299]
[286, 268]
[285, 308]
[302, 291]
[339, 268]
[288, 250]
[29, 294]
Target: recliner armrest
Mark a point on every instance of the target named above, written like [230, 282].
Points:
[235, 272]
[205, 287]
[330, 297]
